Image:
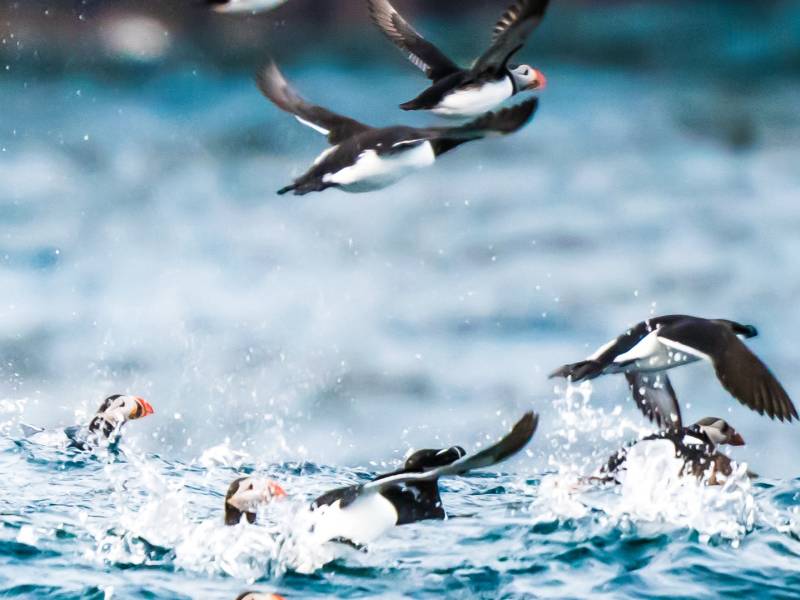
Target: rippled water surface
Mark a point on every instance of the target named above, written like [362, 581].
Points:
[318, 339]
[144, 526]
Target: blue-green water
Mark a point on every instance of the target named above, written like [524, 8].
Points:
[316, 340]
[148, 527]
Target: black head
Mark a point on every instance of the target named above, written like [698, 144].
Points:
[422, 460]
[746, 331]
[233, 515]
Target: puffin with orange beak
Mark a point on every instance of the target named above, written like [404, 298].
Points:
[358, 514]
[697, 445]
[105, 428]
[457, 92]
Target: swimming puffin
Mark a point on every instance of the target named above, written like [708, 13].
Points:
[696, 445]
[458, 92]
[358, 514]
[104, 428]
[645, 352]
[258, 596]
[241, 6]
[363, 158]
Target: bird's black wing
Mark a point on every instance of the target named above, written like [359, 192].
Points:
[420, 52]
[512, 443]
[345, 494]
[739, 370]
[656, 398]
[510, 33]
[594, 365]
[274, 86]
[501, 122]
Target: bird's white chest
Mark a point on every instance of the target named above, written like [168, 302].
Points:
[652, 354]
[372, 171]
[475, 100]
[363, 521]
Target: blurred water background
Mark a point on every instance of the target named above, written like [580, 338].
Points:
[143, 249]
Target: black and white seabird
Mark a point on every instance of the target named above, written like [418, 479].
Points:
[105, 428]
[243, 6]
[697, 445]
[362, 158]
[645, 352]
[245, 495]
[358, 514]
[458, 92]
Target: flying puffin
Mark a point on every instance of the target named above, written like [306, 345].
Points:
[458, 92]
[696, 445]
[104, 428]
[358, 514]
[645, 352]
[362, 158]
[243, 6]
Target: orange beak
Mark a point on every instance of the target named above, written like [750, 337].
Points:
[145, 407]
[736, 439]
[275, 490]
[540, 81]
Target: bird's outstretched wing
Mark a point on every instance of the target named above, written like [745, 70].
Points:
[510, 33]
[30, 430]
[516, 440]
[420, 52]
[274, 86]
[500, 122]
[655, 397]
[739, 370]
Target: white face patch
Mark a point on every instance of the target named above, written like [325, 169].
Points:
[714, 432]
[120, 410]
[249, 495]
[524, 76]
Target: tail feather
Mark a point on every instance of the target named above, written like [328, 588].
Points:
[585, 369]
[410, 105]
[29, 430]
